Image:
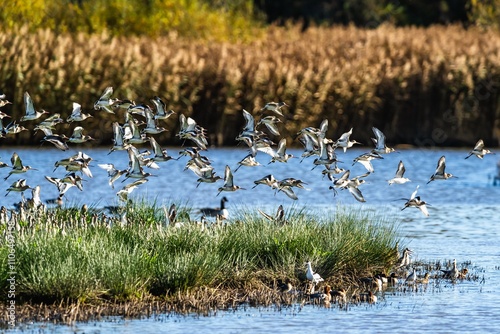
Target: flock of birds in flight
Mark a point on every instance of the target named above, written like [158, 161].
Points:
[133, 132]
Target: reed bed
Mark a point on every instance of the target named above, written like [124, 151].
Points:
[420, 86]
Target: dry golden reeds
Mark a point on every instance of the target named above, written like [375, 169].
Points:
[420, 86]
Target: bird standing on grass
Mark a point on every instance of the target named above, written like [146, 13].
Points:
[315, 278]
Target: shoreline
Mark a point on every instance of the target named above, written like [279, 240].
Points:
[208, 301]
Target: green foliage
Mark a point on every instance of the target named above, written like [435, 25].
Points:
[62, 259]
[485, 13]
[209, 20]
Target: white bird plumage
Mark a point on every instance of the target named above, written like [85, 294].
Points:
[311, 275]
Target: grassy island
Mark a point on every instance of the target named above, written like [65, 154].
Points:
[84, 257]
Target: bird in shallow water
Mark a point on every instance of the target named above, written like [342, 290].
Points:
[367, 297]
[462, 274]
[412, 277]
[405, 259]
[479, 150]
[324, 297]
[425, 279]
[452, 273]
[440, 174]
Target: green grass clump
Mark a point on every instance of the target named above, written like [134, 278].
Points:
[93, 257]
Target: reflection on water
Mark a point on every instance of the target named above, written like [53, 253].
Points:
[463, 224]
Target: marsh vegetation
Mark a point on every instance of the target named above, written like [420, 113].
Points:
[87, 257]
[410, 88]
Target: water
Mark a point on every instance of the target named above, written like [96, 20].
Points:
[463, 224]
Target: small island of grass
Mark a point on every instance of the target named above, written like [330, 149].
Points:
[77, 264]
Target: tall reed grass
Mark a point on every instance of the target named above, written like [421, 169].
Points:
[433, 86]
[87, 257]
